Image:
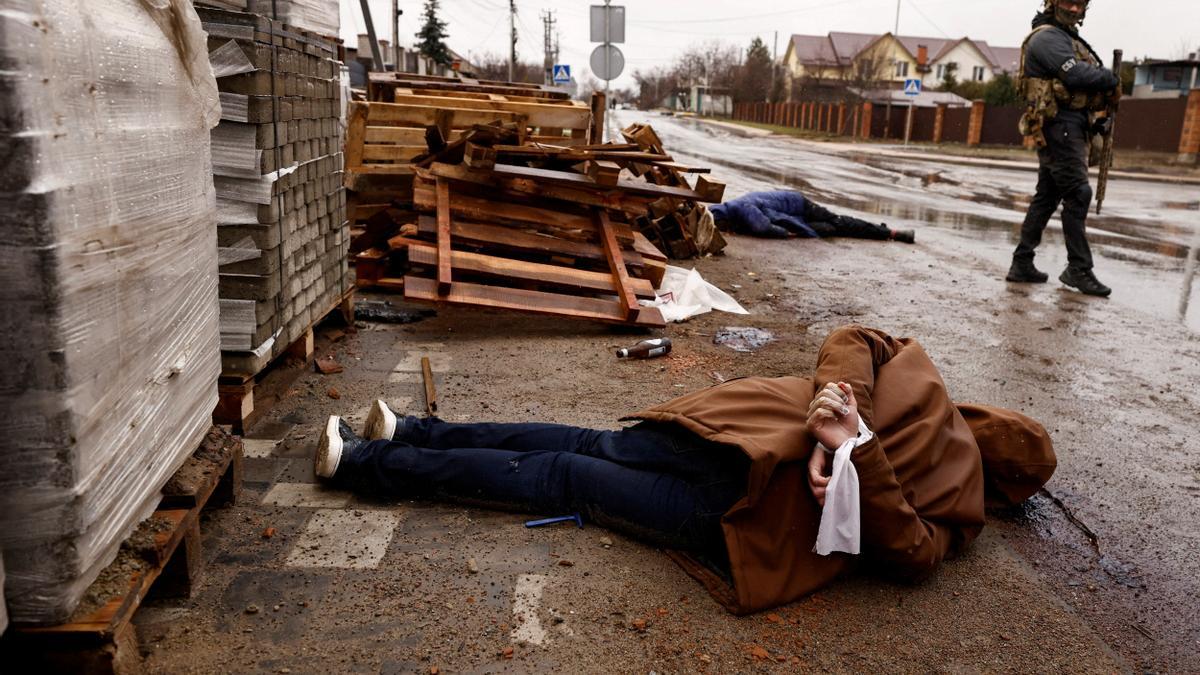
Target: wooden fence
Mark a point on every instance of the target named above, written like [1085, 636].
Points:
[1156, 125]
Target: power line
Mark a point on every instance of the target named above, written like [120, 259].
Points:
[928, 20]
[747, 16]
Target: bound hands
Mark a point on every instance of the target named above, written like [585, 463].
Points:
[832, 420]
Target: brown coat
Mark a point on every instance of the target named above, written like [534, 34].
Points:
[921, 479]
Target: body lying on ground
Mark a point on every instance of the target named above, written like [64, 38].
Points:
[787, 213]
[732, 479]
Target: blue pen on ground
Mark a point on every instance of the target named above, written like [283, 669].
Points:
[576, 517]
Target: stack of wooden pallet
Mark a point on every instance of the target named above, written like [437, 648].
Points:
[383, 138]
[277, 160]
[504, 223]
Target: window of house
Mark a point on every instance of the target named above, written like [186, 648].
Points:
[940, 72]
[977, 73]
[902, 69]
[1172, 75]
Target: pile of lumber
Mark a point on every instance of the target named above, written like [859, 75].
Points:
[383, 138]
[498, 221]
[278, 172]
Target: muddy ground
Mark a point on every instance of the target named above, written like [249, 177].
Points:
[1099, 574]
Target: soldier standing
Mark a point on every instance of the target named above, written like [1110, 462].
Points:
[1064, 84]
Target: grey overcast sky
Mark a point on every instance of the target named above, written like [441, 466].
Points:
[657, 30]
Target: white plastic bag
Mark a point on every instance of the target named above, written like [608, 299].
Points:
[684, 294]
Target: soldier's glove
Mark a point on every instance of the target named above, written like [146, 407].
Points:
[1102, 126]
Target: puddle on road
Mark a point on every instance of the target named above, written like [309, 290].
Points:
[742, 339]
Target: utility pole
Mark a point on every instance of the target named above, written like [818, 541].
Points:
[396, 36]
[548, 47]
[375, 54]
[774, 58]
[887, 126]
[512, 28]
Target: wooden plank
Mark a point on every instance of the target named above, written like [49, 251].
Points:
[604, 173]
[418, 115]
[402, 153]
[674, 166]
[421, 253]
[533, 302]
[480, 209]
[537, 114]
[648, 250]
[626, 185]
[506, 237]
[599, 108]
[356, 128]
[712, 190]
[443, 236]
[615, 200]
[612, 252]
[430, 394]
[402, 135]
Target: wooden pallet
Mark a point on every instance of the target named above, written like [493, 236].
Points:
[479, 249]
[166, 557]
[236, 403]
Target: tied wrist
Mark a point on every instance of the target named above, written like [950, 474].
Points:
[864, 434]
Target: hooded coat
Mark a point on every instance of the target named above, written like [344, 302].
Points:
[922, 479]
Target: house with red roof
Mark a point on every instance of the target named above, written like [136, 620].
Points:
[864, 60]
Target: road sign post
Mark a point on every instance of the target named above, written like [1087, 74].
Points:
[607, 27]
[912, 89]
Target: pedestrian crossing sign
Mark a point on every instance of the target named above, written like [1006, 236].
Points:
[562, 73]
[912, 87]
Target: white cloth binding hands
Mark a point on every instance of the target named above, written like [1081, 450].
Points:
[841, 518]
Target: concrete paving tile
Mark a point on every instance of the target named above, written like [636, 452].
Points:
[309, 495]
[344, 538]
[258, 447]
[262, 471]
[527, 600]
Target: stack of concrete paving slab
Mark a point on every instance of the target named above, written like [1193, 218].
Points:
[108, 279]
[277, 165]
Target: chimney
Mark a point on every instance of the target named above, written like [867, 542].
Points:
[922, 56]
[364, 44]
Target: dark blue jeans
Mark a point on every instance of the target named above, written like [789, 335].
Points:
[655, 482]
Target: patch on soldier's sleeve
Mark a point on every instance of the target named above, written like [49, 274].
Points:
[1066, 67]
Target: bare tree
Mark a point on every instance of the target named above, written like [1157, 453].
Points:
[490, 66]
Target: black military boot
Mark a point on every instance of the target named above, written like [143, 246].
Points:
[1023, 271]
[1085, 281]
[336, 441]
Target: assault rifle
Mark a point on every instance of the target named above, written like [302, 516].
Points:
[1106, 156]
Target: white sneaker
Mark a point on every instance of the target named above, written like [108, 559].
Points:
[381, 423]
[329, 449]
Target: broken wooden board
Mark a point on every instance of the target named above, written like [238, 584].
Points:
[507, 238]
[422, 253]
[532, 302]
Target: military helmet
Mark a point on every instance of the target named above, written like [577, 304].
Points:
[1063, 16]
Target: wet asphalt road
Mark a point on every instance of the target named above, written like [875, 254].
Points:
[1141, 240]
[1117, 381]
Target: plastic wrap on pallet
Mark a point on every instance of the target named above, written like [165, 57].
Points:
[3, 606]
[108, 277]
[319, 16]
